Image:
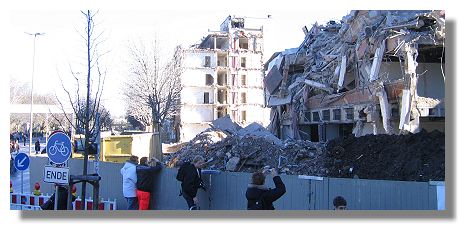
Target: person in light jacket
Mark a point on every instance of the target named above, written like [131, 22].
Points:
[129, 181]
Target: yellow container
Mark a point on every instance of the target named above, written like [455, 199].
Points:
[116, 148]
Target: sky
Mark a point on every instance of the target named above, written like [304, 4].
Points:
[62, 45]
[13, 42]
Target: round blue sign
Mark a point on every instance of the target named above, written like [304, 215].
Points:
[59, 148]
[21, 161]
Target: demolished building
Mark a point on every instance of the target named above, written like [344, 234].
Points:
[375, 72]
[223, 76]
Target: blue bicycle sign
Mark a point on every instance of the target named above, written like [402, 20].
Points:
[59, 147]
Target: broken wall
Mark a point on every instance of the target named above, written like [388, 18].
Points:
[253, 60]
[253, 78]
[433, 124]
[253, 96]
[197, 58]
[332, 131]
[256, 114]
[197, 78]
[431, 82]
[197, 114]
[195, 95]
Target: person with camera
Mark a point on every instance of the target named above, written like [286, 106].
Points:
[260, 197]
[189, 174]
[146, 172]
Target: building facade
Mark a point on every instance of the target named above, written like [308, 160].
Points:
[223, 76]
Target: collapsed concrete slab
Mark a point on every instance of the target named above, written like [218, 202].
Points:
[226, 124]
[256, 129]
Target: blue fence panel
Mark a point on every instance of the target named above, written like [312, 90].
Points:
[226, 191]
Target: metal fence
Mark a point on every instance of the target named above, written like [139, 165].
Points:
[226, 191]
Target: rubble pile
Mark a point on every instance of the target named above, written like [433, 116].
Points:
[249, 149]
[412, 157]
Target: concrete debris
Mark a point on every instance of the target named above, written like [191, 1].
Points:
[256, 129]
[365, 50]
[247, 150]
[232, 164]
[416, 157]
[273, 80]
[226, 124]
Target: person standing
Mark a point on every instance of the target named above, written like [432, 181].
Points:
[189, 175]
[145, 177]
[62, 199]
[17, 145]
[339, 203]
[37, 146]
[129, 181]
[260, 197]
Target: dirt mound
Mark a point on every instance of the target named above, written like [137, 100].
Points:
[412, 157]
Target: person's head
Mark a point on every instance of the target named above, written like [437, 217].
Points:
[258, 178]
[198, 162]
[134, 159]
[144, 161]
[339, 203]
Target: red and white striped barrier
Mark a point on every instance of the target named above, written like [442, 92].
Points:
[104, 205]
[20, 201]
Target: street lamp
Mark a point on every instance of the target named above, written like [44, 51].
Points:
[32, 86]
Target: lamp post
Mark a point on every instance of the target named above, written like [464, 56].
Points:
[32, 88]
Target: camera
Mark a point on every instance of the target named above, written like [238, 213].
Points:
[202, 186]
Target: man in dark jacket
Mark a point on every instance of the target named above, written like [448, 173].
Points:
[190, 176]
[261, 198]
[145, 178]
[37, 146]
[62, 202]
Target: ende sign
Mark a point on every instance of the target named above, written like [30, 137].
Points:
[56, 175]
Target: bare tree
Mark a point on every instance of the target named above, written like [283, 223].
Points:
[86, 102]
[19, 92]
[105, 120]
[153, 89]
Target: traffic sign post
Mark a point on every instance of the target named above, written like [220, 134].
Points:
[21, 163]
[56, 175]
[59, 149]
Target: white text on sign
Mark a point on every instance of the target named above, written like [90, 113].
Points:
[56, 175]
